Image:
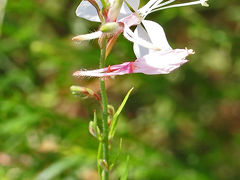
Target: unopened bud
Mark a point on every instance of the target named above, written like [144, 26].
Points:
[103, 163]
[110, 27]
[94, 130]
[114, 10]
[89, 36]
[83, 91]
[91, 129]
[111, 112]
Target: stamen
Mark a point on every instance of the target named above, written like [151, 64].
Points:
[157, 5]
[203, 2]
[144, 10]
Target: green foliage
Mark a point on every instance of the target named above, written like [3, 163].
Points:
[113, 126]
[181, 126]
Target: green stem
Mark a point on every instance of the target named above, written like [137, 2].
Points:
[104, 111]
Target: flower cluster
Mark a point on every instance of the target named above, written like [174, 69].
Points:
[153, 52]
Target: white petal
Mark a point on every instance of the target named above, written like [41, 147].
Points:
[134, 4]
[137, 39]
[124, 11]
[87, 11]
[162, 62]
[156, 34]
[141, 51]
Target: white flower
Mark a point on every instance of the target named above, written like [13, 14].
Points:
[150, 31]
[148, 36]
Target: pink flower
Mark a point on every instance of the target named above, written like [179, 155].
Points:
[158, 62]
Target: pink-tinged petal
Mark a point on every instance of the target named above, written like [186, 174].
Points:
[141, 51]
[87, 11]
[162, 62]
[156, 34]
[114, 70]
[131, 20]
[159, 62]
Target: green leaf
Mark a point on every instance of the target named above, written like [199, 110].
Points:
[99, 155]
[125, 173]
[115, 116]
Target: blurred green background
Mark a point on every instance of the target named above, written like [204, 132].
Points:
[181, 126]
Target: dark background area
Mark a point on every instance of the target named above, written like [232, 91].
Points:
[181, 126]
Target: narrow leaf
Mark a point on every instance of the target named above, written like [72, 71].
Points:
[115, 116]
[98, 159]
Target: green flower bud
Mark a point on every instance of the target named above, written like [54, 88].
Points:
[110, 27]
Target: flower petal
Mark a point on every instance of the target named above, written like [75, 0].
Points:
[119, 69]
[162, 62]
[158, 62]
[128, 34]
[87, 11]
[140, 51]
[156, 34]
[124, 11]
[133, 4]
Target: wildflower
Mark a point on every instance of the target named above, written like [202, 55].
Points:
[158, 62]
[140, 37]
[149, 31]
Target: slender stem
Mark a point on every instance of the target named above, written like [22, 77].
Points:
[104, 111]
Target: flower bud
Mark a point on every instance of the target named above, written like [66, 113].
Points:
[103, 163]
[84, 92]
[94, 130]
[110, 27]
[111, 112]
[114, 10]
[91, 128]
[86, 37]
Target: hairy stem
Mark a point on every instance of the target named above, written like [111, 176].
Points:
[105, 151]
